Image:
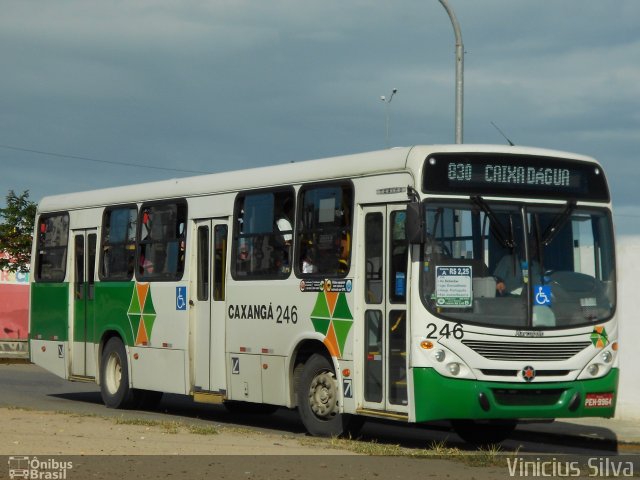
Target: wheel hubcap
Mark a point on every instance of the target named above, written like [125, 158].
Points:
[323, 395]
[114, 373]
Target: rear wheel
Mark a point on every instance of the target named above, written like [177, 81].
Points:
[114, 376]
[484, 433]
[319, 399]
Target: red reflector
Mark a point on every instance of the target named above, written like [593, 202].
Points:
[265, 350]
[598, 400]
[243, 349]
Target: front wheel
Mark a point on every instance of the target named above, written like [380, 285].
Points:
[114, 376]
[319, 398]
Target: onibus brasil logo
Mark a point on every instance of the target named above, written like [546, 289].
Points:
[332, 318]
[34, 468]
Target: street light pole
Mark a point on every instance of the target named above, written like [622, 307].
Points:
[387, 101]
[459, 69]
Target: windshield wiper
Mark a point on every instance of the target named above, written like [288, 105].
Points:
[505, 239]
[558, 222]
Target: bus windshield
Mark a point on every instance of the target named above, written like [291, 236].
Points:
[518, 265]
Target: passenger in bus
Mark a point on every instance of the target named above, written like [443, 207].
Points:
[146, 266]
[308, 260]
[513, 272]
[345, 250]
[284, 238]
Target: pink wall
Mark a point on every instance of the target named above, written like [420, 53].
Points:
[14, 306]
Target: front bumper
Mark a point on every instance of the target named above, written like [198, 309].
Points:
[442, 398]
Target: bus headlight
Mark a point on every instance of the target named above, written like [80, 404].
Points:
[454, 368]
[601, 364]
[443, 360]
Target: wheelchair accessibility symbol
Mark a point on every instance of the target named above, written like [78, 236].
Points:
[181, 298]
[542, 295]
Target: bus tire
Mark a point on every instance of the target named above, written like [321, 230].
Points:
[484, 433]
[114, 376]
[319, 398]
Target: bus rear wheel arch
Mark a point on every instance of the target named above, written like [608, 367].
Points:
[114, 380]
[318, 399]
[114, 376]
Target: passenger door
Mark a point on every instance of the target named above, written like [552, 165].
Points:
[210, 290]
[84, 262]
[385, 312]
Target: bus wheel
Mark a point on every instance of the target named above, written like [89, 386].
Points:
[114, 376]
[484, 433]
[318, 398]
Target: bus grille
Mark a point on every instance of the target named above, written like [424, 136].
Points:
[527, 397]
[526, 351]
[491, 372]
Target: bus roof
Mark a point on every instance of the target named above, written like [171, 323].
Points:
[346, 166]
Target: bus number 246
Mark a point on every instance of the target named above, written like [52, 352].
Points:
[287, 314]
[446, 331]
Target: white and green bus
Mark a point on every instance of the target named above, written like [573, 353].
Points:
[470, 283]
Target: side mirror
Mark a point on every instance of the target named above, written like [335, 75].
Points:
[415, 226]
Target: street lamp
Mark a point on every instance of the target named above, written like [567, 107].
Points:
[459, 69]
[387, 101]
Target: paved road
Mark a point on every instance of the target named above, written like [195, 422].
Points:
[29, 386]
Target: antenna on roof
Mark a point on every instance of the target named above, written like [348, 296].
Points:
[502, 133]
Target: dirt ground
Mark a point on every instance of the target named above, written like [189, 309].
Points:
[112, 448]
[50, 433]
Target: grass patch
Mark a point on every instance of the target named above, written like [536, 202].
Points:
[170, 427]
[486, 456]
[141, 422]
[203, 430]
[23, 409]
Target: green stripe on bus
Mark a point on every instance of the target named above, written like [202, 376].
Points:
[112, 304]
[441, 398]
[49, 311]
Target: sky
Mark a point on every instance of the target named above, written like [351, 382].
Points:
[91, 88]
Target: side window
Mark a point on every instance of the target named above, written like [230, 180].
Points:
[203, 264]
[263, 234]
[373, 252]
[161, 241]
[219, 261]
[51, 256]
[118, 243]
[324, 226]
[398, 258]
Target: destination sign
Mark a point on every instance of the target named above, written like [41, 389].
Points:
[514, 175]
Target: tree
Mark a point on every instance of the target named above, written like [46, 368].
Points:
[16, 232]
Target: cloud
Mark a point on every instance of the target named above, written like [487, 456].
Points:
[217, 85]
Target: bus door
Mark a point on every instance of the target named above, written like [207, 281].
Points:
[84, 263]
[385, 310]
[209, 329]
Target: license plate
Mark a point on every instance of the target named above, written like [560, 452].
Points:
[598, 400]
